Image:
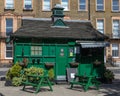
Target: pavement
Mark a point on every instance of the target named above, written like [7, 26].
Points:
[63, 89]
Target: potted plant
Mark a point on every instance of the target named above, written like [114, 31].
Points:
[97, 63]
[109, 76]
[49, 65]
[74, 64]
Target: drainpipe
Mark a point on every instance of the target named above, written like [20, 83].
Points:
[88, 9]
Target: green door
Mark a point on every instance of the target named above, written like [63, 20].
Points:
[61, 62]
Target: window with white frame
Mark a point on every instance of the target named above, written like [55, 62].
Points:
[28, 4]
[115, 50]
[46, 5]
[100, 5]
[36, 50]
[9, 31]
[82, 5]
[115, 5]
[65, 4]
[100, 25]
[9, 51]
[116, 26]
[9, 4]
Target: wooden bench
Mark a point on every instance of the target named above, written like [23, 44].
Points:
[85, 82]
[37, 82]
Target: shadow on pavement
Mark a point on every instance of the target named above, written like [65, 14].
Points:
[1, 94]
[111, 89]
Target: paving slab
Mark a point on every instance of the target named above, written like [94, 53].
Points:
[64, 90]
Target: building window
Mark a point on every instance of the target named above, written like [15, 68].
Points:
[115, 50]
[9, 26]
[65, 4]
[82, 5]
[9, 50]
[28, 4]
[46, 5]
[116, 25]
[115, 5]
[36, 50]
[100, 25]
[9, 4]
[100, 5]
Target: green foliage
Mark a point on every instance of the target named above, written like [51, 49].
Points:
[14, 71]
[17, 75]
[17, 81]
[109, 74]
[34, 71]
[51, 74]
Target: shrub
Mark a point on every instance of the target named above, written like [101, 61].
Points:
[51, 74]
[17, 81]
[14, 71]
[34, 71]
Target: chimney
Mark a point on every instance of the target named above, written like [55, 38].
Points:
[57, 12]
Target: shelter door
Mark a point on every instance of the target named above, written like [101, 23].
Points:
[61, 62]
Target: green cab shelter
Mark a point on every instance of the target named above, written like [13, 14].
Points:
[59, 44]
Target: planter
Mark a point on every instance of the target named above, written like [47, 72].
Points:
[8, 82]
[74, 64]
[49, 65]
[97, 63]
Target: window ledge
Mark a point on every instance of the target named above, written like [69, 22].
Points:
[9, 9]
[115, 11]
[27, 9]
[82, 10]
[100, 10]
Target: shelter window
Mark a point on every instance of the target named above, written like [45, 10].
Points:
[65, 4]
[100, 5]
[115, 5]
[9, 4]
[82, 5]
[36, 50]
[46, 5]
[115, 50]
[100, 25]
[27, 4]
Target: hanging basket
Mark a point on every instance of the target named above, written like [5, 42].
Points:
[74, 64]
[97, 63]
[49, 65]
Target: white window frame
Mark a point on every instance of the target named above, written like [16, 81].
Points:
[116, 6]
[115, 48]
[27, 4]
[116, 28]
[99, 5]
[100, 27]
[65, 5]
[81, 4]
[46, 5]
[9, 4]
[9, 44]
[36, 50]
